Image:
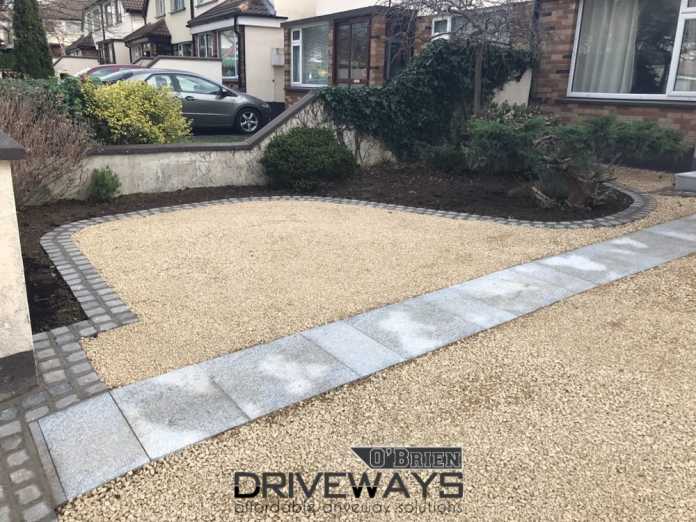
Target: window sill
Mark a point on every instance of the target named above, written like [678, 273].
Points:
[304, 87]
[178, 10]
[673, 103]
[206, 2]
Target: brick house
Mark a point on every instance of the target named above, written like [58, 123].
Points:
[632, 58]
[357, 47]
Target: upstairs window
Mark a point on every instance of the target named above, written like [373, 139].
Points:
[178, 5]
[160, 8]
[229, 52]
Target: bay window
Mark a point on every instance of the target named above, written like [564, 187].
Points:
[310, 55]
[229, 52]
[352, 51]
[638, 49]
[206, 46]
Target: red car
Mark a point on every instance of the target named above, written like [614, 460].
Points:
[100, 71]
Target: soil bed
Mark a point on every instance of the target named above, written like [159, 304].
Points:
[51, 303]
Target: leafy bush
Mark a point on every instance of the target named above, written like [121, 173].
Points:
[55, 142]
[303, 157]
[104, 186]
[418, 106]
[446, 158]
[32, 55]
[135, 113]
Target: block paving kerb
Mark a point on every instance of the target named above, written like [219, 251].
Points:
[206, 399]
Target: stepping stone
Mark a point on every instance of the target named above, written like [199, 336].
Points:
[272, 376]
[649, 243]
[602, 263]
[513, 292]
[682, 230]
[465, 307]
[413, 328]
[685, 182]
[176, 410]
[91, 443]
[353, 348]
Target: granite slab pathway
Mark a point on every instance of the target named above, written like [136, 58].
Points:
[100, 438]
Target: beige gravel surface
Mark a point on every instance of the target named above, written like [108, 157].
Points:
[582, 411]
[209, 281]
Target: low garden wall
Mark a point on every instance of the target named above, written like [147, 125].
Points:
[168, 168]
[71, 65]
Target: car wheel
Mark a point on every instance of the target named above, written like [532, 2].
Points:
[248, 121]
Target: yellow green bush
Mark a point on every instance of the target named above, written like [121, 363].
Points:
[129, 113]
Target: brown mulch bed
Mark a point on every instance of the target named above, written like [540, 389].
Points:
[51, 303]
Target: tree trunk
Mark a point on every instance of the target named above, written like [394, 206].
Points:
[478, 79]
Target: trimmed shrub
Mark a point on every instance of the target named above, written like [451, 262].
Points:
[303, 157]
[64, 96]
[104, 186]
[129, 113]
[55, 142]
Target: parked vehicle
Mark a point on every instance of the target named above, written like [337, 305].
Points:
[207, 103]
[119, 76]
[100, 71]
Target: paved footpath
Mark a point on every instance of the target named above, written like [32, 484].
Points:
[72, 434]
[117, 431]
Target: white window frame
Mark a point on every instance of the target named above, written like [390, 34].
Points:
[445, 35]
[176, 8]
[298, 43]
[685, 13]
[219, 42]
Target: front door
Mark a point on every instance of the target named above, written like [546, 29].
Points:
[353, 52]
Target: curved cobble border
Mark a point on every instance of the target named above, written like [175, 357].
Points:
[67, 376]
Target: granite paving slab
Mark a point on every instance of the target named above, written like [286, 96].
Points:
[91, 443]
[353, 348]
[413, 329]
[272, 376]
[177, 409]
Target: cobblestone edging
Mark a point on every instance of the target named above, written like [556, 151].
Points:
[67, 377]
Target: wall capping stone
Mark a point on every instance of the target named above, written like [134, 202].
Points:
[10, 150]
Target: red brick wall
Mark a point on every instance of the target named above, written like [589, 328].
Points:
[558, 20]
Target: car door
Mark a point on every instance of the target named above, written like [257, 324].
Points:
[202, 102]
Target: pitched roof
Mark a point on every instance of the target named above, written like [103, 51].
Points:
[84, 42]
[159, 28]
[134, 5]
[62, 9]
[231, 8]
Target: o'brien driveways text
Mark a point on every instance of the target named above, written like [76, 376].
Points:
[117, 431]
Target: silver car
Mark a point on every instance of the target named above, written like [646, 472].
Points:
[206, 103]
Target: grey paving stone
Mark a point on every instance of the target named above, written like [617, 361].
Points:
[91, 443]
[177, 409]
[81, 367]
[70, 347]
[466, 307]
[54, 376]
[682, 229]
[11, 443]
[5, 515]
[413, 329]
[28, 494]
[45, 353]
[36, 413]
[353, 348]
[36, 512]
[8, 414]
[17, 458]
[50, 364]
[513, 292]
[86, 379]
[646, 242]
[76, 357]
[272, 376]
[66, 401]
[554, 277]
[10, 428]
[601, 263]
[21, 475]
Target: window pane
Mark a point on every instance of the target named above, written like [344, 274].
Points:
[692, 3]
[228, 47]
[360, 55]
[296, 64]
[315, 55]
[440, 26]
[686, 73]
[196, 85]
[625, 46]
[343, 52]
[160, 81]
